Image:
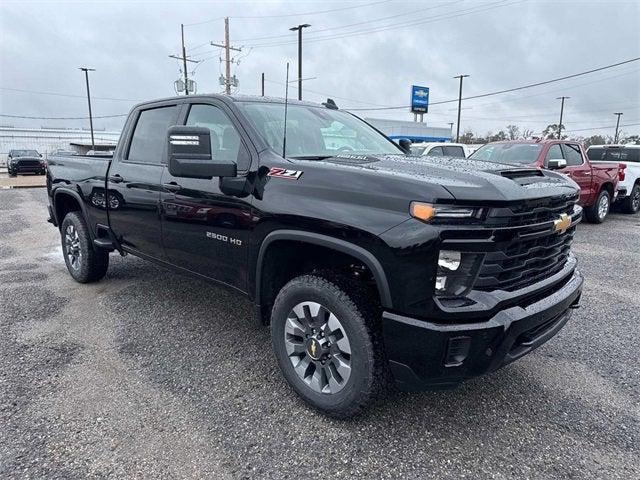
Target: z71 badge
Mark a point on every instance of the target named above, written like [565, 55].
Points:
[285, 173]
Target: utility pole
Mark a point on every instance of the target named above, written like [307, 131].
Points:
[227, 56]
[459, 106]
[562, 99]
[184, 61]
[615, 138]
[86, 77]
[262, 81]
[299, 30]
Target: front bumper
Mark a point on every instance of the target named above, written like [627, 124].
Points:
[423, 354]
[17, 168]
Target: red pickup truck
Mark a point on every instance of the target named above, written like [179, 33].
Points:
[598, 182]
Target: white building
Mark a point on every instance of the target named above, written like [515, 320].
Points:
[414, 131]
[45, 140]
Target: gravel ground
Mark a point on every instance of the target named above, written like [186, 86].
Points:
[153, 375]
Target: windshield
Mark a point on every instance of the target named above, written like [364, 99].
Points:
[24, 153]
[316, 131]
[615, 154]
[521, 153]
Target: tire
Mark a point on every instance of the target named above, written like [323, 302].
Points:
[597, 212]
[330, 387]
[11, 174]
[85, 262]
[631, 204]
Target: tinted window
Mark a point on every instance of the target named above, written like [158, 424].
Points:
[554, 153]
[225, 139]
[514, 153]
[417, 150]
[616, 154]
[572, 154]
[454, 151]
[436, 152]
[150, 135]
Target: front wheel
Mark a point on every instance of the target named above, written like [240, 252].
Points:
[325, 336]
[84, 262]
[597, 212]
[631, 204]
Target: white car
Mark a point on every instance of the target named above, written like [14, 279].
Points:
[629, 186]
[440, 149]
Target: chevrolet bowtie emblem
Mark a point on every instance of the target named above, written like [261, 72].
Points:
[313, 348]
[562, 224]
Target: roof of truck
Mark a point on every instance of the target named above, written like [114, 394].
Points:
[235, 98]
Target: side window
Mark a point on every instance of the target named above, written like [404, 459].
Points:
[554, 153]
[225, 139]
[436, 152]
[572, 154]
[150, 135]
[454, 151]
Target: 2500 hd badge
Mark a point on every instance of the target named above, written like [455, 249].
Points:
[373, 267]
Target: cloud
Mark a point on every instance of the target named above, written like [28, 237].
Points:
[500, 44]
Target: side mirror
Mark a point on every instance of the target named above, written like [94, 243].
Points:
[190, 154]
[405, 144]
[556, 164]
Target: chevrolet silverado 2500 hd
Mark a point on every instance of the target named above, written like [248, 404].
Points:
[368, 264]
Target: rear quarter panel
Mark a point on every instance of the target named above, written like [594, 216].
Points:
[84, 179]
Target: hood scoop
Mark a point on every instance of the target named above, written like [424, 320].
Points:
[522, 173]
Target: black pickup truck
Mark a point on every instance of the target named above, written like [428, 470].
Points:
[370, 265]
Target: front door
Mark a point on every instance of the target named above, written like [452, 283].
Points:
[204, 229]
[579, 171]
[134, 183]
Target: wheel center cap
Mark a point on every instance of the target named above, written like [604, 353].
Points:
[313, 349]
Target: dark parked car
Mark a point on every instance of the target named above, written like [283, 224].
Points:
[25, 161]
[368, 264]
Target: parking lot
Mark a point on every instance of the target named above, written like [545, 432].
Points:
[147, 374]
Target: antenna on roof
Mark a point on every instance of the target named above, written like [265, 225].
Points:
[286, 102]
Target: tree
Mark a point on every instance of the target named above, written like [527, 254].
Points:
[527, 133]
[633, 139]
[594, 140]
[552, 131]
[467, 137]
[513, 131]
[497, 137]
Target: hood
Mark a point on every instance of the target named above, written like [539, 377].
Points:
[465, 179]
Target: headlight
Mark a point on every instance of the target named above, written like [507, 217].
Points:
[427, 211]
[456, 272]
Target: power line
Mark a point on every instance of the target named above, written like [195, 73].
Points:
[388, 17]
[68, 95]
[599, 128]
[318, 12]
[410, 23]
[514, 89]
[61, 118]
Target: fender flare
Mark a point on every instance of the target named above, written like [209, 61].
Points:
[337, 244]
[67, 191]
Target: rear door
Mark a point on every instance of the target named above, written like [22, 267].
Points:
[134, 182]
[579, 171]
[205, 230]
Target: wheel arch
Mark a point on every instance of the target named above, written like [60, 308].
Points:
[341, 247]
[65, 201]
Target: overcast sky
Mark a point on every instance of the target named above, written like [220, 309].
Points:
[365, 54]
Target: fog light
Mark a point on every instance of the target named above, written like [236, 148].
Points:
[449, 259]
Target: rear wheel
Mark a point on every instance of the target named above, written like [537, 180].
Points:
[84, 262]
[325, 335]
[597, 212]
[631, 204]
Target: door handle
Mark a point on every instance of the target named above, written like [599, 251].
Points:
[116, 179]
[172, 187]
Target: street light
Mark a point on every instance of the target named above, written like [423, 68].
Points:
[299, 30]
[86, 71]
[561, 112]
[459, 106]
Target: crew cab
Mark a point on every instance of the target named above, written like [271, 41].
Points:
[628, 158]
[368, 264]
[598, 183]
[25, 161]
